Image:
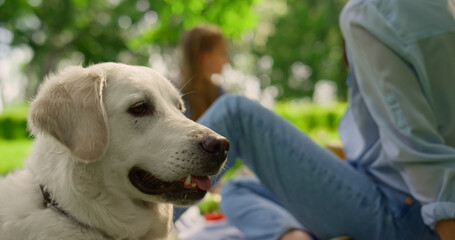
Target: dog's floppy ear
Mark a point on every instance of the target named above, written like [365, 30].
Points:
[69, 107]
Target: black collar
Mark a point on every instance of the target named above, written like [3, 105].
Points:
[50, 202]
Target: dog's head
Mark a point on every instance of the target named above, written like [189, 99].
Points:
[129, 120]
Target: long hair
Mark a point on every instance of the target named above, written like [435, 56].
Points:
[200, 92]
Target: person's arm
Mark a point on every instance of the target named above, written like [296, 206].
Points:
[408, 128]
[296, 234]
[446, 229]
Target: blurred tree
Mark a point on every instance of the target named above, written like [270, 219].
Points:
[87, 32]
[297, 49]
[306, 47]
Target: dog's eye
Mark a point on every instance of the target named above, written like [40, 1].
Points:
[139, 109]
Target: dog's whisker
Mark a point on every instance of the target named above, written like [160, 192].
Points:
[188, 93]
[186, 83]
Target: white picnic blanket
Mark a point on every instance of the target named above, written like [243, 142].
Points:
[193, 226]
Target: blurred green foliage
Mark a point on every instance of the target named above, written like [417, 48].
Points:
[233, 16]
[13, 154]
[320, 122]
[100, 31]
[13, 122]
[15, 143]
[306, 33]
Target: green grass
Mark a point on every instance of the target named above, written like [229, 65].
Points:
[13, 153]
[18, 111]
[13, 122]
[318, 122]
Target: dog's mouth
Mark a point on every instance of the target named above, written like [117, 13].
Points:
[188, 188]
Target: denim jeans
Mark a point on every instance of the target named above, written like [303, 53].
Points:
[302, 185]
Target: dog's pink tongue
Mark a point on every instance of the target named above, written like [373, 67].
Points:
[203, 183]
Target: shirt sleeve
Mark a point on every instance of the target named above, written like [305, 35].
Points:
[408, 127]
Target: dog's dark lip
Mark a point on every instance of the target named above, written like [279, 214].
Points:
[145, 182]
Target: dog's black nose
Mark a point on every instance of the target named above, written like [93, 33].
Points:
[215, 144]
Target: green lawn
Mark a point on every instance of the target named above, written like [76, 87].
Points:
[13, 153]
[319, 122]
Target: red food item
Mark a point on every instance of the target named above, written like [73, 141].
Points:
[214, 216]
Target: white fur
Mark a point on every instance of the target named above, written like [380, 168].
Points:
[86, 142]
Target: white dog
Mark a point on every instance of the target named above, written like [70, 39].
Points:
[113, 152]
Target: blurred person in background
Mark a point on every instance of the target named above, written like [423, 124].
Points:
[398, 180]
[204, 54]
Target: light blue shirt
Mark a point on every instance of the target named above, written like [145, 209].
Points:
[400, 124]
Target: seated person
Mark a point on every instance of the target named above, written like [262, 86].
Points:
[204, 54]
[398, 134]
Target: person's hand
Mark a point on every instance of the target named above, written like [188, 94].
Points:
[296, 234]
[446, 229]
